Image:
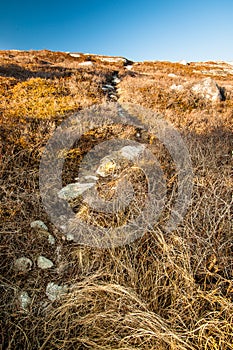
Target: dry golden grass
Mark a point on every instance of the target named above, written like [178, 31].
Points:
[149, 85]
[160, 292]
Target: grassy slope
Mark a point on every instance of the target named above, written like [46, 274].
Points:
[160, 292]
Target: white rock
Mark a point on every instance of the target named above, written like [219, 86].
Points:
[109, 87]
[74, 190]
[113, 97]
[116, 80]
[23, 264]
[75, 54]
[44, 263]
[208, 89]
[176, 87]
[70, 237]
[131, 152]
[24, 300]
[129, 66]
[39, 224]
[112, 59]
[54, 291]
[183, 62]
[172, 75]
[91, 177]
[86, 64]
[51, 239]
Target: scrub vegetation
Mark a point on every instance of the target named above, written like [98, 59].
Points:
[163, 291]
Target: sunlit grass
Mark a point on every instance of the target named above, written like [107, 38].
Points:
[160, 292]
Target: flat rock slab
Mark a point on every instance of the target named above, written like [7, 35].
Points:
[44, 263]
[74, 190]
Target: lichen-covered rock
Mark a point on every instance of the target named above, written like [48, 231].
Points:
[208, 89]
[44, 263]
[23, 264]
[51, 239]
[39, 225]
[24, 300]
[74, 190]
[113, 59]
[54, 291]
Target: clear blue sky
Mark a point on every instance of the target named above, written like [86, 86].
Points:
[140, 30]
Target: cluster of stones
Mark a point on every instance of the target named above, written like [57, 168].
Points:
[107, 166]
[24, 265]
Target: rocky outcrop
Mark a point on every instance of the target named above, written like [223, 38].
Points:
[208, 89]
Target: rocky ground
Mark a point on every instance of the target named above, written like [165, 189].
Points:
[159, 292]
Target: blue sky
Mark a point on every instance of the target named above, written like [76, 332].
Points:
[139, 30]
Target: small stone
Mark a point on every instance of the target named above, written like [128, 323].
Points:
[54, 291]
[86, 64]
[114, 97]
[51, 239]
[183, 62]
[91, 177]
[24, 300]
[108, 86]
[129, 67]
[74, 54]
[74, 190]
[116, 80]
[113, 59]
[23, 264]
[70, 237]
[176, 87]
[39, 225]
[44, 263]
